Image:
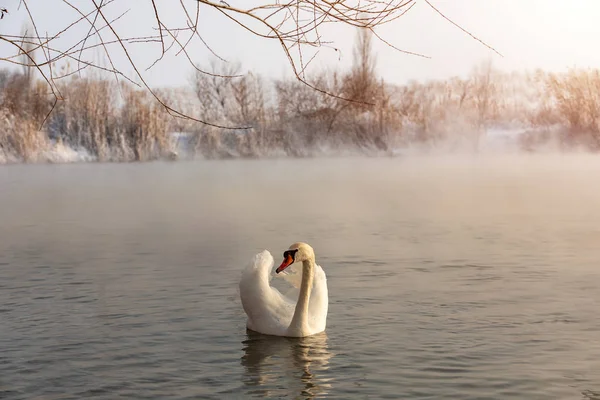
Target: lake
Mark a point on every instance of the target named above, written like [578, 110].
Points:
[458, 277]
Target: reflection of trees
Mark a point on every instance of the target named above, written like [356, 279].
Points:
[276, 366]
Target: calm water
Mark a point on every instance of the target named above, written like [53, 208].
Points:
[454, 278]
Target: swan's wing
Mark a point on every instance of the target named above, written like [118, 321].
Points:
[267, 309]
[292, 275]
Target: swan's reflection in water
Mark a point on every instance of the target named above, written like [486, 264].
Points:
[291, 367]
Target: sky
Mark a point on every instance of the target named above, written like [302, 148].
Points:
[550, 34]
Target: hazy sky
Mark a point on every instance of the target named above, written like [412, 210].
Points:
[548, 34]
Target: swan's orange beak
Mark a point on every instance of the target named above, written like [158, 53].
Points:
[286, 263]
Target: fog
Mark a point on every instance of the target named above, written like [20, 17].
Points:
[211, 198]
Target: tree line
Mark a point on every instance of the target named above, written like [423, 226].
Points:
[353, 111]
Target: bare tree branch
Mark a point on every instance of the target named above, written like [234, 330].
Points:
[296, 25]
[462, 29]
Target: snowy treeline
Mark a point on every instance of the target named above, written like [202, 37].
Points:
[100, 119]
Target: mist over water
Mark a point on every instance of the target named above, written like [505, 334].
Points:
[471, 277]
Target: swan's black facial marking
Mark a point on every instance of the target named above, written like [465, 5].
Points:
[289, 257]
[291, 253]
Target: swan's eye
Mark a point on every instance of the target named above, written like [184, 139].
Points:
[291, 253]
[289, 257]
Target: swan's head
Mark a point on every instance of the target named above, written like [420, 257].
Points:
[297, 252]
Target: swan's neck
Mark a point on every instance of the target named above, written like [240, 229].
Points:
[299, 322]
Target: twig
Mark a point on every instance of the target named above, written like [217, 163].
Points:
[462, 29]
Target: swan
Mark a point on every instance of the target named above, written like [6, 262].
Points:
[272, 313]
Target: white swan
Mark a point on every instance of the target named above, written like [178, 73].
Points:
[272, 313]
